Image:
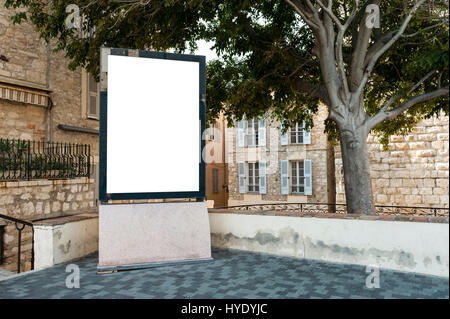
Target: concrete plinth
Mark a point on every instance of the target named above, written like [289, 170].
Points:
[153, 234]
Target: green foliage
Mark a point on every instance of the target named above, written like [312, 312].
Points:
[264, 49]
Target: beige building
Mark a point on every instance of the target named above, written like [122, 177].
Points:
[269, 166]
[42, 100]
[216, 166]
[266, 166]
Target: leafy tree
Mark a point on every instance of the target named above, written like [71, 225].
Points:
[286, 57]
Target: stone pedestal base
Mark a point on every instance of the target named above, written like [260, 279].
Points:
[152, 234]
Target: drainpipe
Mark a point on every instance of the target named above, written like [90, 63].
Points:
[49, 111]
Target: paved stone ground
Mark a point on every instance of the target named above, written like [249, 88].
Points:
[232, 274]
[4, 274]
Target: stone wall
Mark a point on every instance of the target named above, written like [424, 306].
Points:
[31, 60]
[22, 121]
[414, 171]
[34, 200]
[318, 151]
[25, 51]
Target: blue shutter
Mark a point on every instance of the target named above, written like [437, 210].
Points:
[308, 176]
[240, 134]
[262, 132]
[262, 177]
[306, 135]
[284, 177]
[241, 174]
[284, 140]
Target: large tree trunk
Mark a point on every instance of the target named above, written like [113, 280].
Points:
[355, 160]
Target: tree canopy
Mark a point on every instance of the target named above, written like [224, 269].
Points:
[269, 50]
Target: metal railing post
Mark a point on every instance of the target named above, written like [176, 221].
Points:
[19, 244]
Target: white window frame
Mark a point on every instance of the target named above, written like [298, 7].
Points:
[253, 177]
[297, 179]
[298, 133]
[252, 132]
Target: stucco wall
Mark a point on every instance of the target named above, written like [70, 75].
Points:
[54, 244]
[405, 246]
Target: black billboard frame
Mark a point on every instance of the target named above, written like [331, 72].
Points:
[104, 197]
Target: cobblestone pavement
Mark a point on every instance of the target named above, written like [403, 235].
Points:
[4, 274]
[232, 274]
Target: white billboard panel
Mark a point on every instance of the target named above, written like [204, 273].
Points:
[153, 127]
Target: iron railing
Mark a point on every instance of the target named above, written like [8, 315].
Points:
[2, 243]
[311, 208]
[27, 160]
[20, 225]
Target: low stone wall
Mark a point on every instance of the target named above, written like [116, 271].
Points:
[40, 199]
[418, 246]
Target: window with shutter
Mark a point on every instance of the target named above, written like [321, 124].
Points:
[252, 133]
[297, 134]
[297, 177]
[253, 177]
[92, 99]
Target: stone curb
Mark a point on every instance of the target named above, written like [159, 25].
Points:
[46, 182]
[405, 218]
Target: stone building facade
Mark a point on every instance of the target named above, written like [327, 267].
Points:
[269, 166]
[42, 100]
[414, 171]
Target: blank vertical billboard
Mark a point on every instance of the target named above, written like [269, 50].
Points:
[152, 116]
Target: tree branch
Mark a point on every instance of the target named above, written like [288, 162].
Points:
[385, 47]
[324, 48]
[361, 40]
[308, 17]
[384, 115]
[313, 91]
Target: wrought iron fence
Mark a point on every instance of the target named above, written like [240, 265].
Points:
[27, 160]
[20, 225]
[311, 208]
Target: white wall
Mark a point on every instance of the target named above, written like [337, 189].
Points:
[54, 244]
[405, 246]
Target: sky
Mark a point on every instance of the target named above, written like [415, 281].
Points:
[204, 49]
